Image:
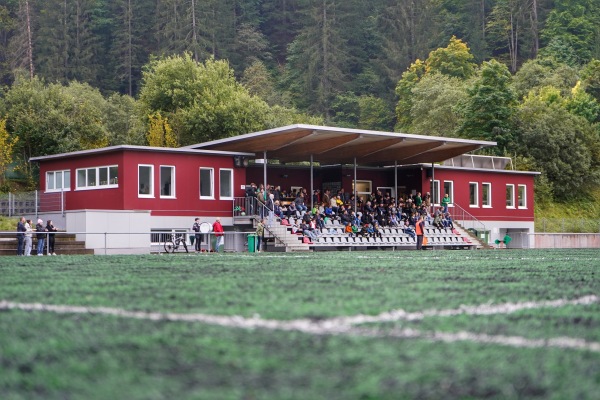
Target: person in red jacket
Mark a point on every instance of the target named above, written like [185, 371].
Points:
[219, 235]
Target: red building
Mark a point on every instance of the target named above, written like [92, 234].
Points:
[136, 189]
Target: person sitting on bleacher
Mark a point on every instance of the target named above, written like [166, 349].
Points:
[291, 210]
[345, 217]
[300, 206]
[364, 231]
[376, 231]
[319, 221]
[409, 230]
[393, 221]
[447, 221]
[277, 209]
[437, 221]
[348, 229]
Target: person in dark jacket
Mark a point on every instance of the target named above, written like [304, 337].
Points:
[51, 239]
[41, 236]
[21, 236]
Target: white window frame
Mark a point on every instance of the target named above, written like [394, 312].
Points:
[512, 197]
[110, 182]
[172, 194]
[366, 194]
[474, 204]
[150, 193]
[435, 194]
[212, 183]
[65, 179]
[524, 198]
[221, 196]
[488, 186]
[450, 192]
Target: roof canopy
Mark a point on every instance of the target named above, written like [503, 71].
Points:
[329, 145]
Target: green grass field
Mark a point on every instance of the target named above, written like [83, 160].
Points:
[335, 325]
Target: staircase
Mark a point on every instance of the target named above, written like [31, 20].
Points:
[285, 238]
[65, 244]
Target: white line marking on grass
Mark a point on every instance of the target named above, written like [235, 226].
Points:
[346, 325]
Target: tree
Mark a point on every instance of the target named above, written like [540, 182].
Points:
[410, 79]
[435, 101]
[488, 110]
[571, 31]
[590, 76]
[562, 144]
[160, 133]
[7, 144]
[542, 72]
[454, 60]
[317, 58]
[203, 101]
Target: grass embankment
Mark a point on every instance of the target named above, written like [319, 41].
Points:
[581, 216]
[46, 355]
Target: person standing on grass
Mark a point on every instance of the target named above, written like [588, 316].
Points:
[219, 235]
[51, 239]
[196, 229]
[21, 236]
[260, 234]
[41, 236]
[28, 240]
[420, 231]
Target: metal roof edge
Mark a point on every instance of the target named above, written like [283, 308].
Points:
[139, 148]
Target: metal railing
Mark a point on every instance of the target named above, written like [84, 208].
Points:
[31, 203]
[567, 225]
[110, 242]
[466, 219]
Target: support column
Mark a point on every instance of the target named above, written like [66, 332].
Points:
[265, 169]
[355, 199]
[311, 183]
[432, 187]
[396, 181]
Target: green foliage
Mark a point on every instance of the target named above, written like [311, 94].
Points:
[455, 60]
[488, 111]
[559, 142]
[571, 31]
[435, 105]
[544, 72]
[203, 101]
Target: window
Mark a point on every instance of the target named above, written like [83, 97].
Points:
[435, 195]
[363, 189]
[486, 194]
[510, 196]
[522, 196]
[226, 184]
[449, 189]
[57, 181]
[206, 183]
[167, 181]
[98, 177]
[473, 194]
[145, 180]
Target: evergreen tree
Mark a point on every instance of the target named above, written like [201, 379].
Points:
[488, 110]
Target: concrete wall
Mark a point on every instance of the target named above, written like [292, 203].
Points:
[129, 230]
[566, 240]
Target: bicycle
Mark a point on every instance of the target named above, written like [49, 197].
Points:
[176, 242]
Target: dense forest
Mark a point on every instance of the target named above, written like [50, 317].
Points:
[525, 73]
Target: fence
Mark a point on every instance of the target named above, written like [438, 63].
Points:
[31, 203]
[148, 242]
[567, 225]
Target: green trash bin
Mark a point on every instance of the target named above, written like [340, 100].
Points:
[251, 243]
